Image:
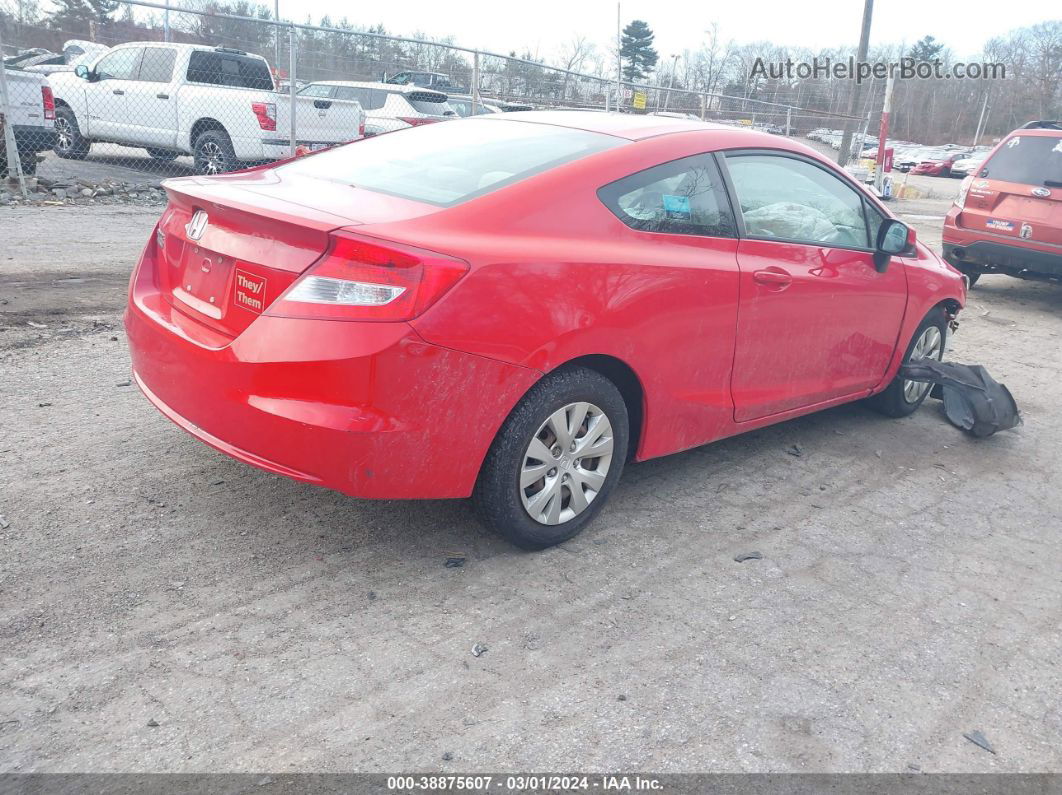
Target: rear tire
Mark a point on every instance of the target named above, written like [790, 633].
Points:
[563, 478]
[213, 153]
[899, 399]
[970, 273]
[69, 144]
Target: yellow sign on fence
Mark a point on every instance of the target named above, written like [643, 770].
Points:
[639, 100]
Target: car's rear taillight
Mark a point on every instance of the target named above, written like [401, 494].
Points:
[361, 129]
[49, 102]
[363, 279]
[964, 188]
[266, 113]
[415, 121]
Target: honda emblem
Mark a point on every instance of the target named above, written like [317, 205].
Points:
[197, 225]
[1043, 193]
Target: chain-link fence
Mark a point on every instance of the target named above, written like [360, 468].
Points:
[167, 92]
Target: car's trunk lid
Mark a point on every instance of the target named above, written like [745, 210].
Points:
[230, 246]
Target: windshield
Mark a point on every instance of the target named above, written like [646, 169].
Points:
[1028, 159]
[453, 161]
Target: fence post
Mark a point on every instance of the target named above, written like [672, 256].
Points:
[291, 86]
[14, 165]
[475, 82]
[788, 121]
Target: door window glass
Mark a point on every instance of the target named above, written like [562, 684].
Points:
[316, 90]
[120, 65]
[788, 199]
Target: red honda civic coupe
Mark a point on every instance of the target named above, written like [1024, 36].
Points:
[511, 307]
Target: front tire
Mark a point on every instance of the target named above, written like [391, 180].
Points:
[902, 397]
[213, 153]
[69, 144]
[555, 459]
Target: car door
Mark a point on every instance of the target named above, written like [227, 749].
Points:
[151, 102]
[108, 110]
[816, 320]
[682, 220]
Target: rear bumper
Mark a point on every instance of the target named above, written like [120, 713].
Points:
[33, 139]
[368, 409]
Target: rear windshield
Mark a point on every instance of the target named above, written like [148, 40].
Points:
[452, 161]
[432, 104]
[1027, 159]
[229, 69]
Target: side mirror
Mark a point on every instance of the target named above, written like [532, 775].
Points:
[81, 71]
[894, 237]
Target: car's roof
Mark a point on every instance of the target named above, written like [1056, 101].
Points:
[624, 125]
[402, 88]
[186, 47]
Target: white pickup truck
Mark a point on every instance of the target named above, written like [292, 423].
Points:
[217, 104]
[32, 118]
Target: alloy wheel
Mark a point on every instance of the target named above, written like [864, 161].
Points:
[64, 135]
[928, 346]
[212, 158]
[566, 463]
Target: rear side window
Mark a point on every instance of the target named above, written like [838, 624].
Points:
[157, 66]
[370, 98]
[1027, 159]
[319, 91]
[446, 164]
[683, 197]
[426, 102]
[229, 69]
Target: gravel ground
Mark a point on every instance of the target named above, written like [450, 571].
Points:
[163, 608]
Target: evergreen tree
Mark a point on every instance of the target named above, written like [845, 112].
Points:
[636, 51]
[926, 49]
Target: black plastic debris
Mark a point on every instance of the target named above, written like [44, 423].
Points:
[978, 739]
[748, 556]
[454, 562]
[973, 400]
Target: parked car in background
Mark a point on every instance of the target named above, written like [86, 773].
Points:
[462, 105]
[969, 164]
[939, 166]
[512, 306]
[32, 118]
[388, 106]
[216, 104]
[435, 80]
[1007, 217]
[514, 107]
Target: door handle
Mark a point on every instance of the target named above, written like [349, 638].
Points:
[778, 279]
[118, 91]
[162, 96]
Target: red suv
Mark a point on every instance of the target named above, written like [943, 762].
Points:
[1008, 215]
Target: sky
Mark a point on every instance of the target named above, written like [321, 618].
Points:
[540, 25]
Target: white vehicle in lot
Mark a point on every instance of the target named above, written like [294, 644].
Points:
[32, 118]
[387, 106]
[217, 104]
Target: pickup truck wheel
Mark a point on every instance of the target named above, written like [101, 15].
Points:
[903, 397]
[555, 460]
[165, 155]
[68, 141]
[213, 153]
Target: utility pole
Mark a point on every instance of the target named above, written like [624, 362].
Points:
[671, 84]
[853, 97]
[166, 22]
[619, 60]
[981, 121]
[883, 135]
